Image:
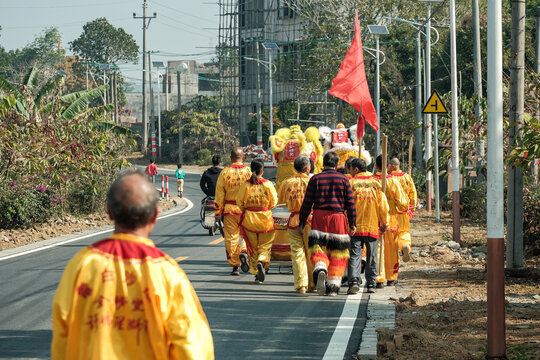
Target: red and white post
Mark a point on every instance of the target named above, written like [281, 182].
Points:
[162, 186]
[154, 146]
[167, 188]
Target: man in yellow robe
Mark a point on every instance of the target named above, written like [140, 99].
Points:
[226, 210]
[122, 298]
[372, 219]
[397, 201]
[404, 234]
[256, 199]
[292, 192]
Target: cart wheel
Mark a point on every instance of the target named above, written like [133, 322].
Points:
[212, 231]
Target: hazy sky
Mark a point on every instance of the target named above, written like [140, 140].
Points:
[183, 29]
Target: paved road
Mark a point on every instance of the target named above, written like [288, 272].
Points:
[248, 321]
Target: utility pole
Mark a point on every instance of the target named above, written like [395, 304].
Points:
[537, 70]
[152, 114]
[166, 86]
[144, 110]
[477, 79]
[259, 115]
[456, 218]
[429, 180]
[419, 162]
[514, 244]
[496, 339]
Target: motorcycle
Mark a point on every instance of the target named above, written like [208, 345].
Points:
[207, 215]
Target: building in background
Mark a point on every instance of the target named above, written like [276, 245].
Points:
[196, 80]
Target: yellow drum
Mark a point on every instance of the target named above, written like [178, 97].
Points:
[281, 248]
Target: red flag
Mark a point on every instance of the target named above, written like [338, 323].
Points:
[350, 84]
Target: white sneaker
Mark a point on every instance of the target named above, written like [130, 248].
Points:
[321, 283]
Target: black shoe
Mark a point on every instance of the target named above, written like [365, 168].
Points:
[235, 271]
[245, 262]
[390, 283]
[260, 271]
[353, 289]
[370, 288]
[379, 285]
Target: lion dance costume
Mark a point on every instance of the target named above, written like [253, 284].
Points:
[289, 143]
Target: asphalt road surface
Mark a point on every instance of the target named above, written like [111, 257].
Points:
[248, 321]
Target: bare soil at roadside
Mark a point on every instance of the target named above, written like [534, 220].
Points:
[441, 307]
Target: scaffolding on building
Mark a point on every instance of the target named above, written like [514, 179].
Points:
[243, 26]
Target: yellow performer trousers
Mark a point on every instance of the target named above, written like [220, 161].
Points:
[393, 241]
[232, 236]
[261, 245]
[301, 258]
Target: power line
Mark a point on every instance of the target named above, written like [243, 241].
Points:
[65, 6]
[178, 11]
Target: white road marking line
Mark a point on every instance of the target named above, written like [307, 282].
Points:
[189, 207]
[340, 339]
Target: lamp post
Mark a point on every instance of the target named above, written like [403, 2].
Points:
[180, 68]
[157, 65]
[378, 30]
[270, 67]
[270, 47]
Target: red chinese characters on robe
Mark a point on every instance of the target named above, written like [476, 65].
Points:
[84, 290]
[291, 151]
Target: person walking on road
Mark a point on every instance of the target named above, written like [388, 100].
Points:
[122, 298]
[372, 219]
[151, 170]
[226, 210]
[292, 192]
[256, 199]
[397, 201]
[180, 174]
[404, 233]
[210, 177]
[329, 194]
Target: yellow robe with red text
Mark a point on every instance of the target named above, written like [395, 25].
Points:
[371, 205]
[292, 192]
[404, 216]
[256, 201]
[397, 201]
[122, 298]
[228, 184]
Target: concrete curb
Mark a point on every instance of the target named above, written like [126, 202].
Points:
[381, 313]
[180, 205]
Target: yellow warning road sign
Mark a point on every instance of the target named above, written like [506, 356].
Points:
[434, 105]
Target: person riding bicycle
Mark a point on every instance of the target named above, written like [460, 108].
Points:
[210, 177]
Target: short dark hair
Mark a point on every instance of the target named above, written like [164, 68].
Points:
[216, 159]
[359, 164]
[349, 161]
[331, 159]
[300, 163]
[312, 163]
[179, 166]
[132, 216]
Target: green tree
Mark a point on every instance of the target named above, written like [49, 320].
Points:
[100, 42]
[45, 52]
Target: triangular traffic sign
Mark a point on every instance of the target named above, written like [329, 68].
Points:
[434, 105]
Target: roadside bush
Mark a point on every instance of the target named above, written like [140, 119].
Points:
[472, 202]
[531, 221]
[204, 157]
[22, 206]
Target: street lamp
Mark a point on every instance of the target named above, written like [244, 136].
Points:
[180, 68]
[270, 46]
[271, 68]
[157, 65]
[378, 30]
